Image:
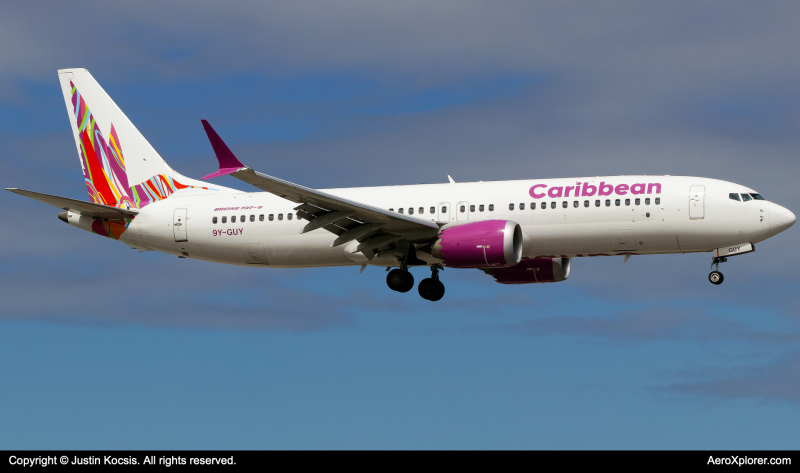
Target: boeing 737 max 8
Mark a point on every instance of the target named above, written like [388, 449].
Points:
[519, 232]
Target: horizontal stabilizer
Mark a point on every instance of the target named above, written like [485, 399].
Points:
[78, 206]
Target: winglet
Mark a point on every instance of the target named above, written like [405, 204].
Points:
[450, 179]
[227, 161]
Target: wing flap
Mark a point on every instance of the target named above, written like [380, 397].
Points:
[316, 204]
[77, 206]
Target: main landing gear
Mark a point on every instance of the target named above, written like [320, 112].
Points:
[715, 277]
[431, 288]
[401, 280]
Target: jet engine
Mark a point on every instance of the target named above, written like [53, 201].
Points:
[483, 244]
[536, 270]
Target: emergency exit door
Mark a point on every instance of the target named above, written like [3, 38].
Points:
[179, 225]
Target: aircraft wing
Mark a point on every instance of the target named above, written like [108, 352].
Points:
[343, 217]
[78, 206]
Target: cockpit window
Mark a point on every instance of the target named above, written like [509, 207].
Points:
[746, 197]
[757, 196]
[734, 196]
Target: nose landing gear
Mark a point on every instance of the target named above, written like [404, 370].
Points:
[715, 277]
[431, 288]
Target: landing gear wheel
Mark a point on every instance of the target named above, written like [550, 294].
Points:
[716, 277]
[431, 289]
[399, 280]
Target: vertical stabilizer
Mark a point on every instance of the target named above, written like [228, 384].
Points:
[120, 167]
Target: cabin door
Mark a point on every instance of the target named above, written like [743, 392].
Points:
[179, 225]
[697, 196]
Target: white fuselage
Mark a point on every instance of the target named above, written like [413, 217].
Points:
[565, 225]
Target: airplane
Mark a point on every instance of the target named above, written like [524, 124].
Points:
[518, 232]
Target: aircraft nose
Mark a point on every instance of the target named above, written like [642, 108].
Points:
[780, 218]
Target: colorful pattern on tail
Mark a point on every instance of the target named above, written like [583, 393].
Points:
[104, 166]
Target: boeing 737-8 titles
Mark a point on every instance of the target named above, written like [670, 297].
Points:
[519, 232]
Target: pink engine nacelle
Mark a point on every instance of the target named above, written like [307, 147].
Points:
[536, 270]
[484, 244]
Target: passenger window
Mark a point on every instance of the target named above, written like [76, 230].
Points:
[734, 196]
[616, 202]
[627, 201]
[544, 205]
[575, 204]
[400, 209]
[745, 197]
[757, 196]
[533, 205]
[658, 200]
[564, 204]
[480, 207]
[252, 218]
[214, 220]
[638, 201]
[522, 206]
[471, 208]
[552, 205]
[586, 203]
[289, 216]
[242, 219]
[647, 201]
[421, 210]
[608, 202]
[433, 210]
[233, 218]
[391, 209]
[597, 203]
[411, 211]
[271, 217]
[224, 219]
[280, 216]
[510, 206]
[491, 207]
[444, 209]
[463, 208]
[261, 218]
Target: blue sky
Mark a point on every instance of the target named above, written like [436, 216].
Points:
[103, 347]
